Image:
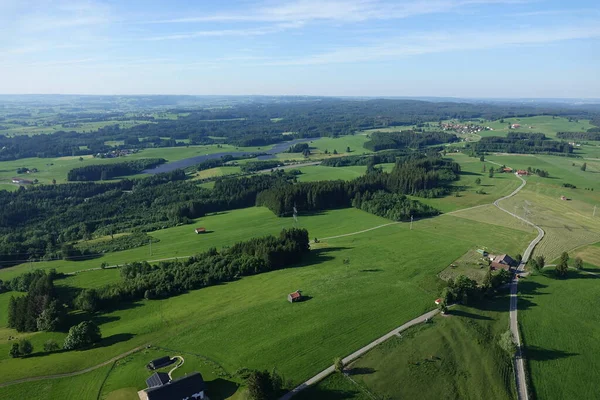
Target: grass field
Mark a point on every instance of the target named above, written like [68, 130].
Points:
[452, 357]
[396, 276]
[84, 387]
[57, 168]
[560, 329]
[540, 124]
[472, 169]
[568, 224]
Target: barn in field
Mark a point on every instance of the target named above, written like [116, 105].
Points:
[200, 230]
[295, 296]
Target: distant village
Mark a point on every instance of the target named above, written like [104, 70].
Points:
[464, 128]
[116, 153]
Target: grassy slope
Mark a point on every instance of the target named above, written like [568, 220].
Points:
[453, 357]
[226, 228]
[568, 224]
[561, 334]
[84, 387]
[396, 277]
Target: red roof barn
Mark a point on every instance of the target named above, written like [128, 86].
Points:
[295, 296]
[200, 230]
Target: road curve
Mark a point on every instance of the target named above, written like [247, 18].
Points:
[519, 365]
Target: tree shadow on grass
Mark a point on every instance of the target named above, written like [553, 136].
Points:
[114, 339]
[324, 394]
[361, 371]
[221, 388]
[536, 353]
[470, 173]
[460, 313]
[371, 270]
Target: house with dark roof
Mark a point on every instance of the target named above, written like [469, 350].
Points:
[160, 362]
[158, 379]
[504, 259]
[189, 387]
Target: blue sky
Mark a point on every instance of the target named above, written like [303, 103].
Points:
[460, 48]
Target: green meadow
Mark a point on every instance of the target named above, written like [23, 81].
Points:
[250, 324]
[561, 335]
[455, 356]
[547, 125]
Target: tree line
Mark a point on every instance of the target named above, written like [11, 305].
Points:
[143, 280]
[589, 135]
[420, 176]
[517, 142]
[407, 139]
[102, 172]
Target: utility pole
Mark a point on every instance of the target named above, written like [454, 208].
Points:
[411, 221]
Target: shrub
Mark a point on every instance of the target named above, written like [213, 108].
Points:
[82, 335]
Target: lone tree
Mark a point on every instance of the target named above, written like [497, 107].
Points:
[584, 167]
[348, 149]
[24, 348]
[578, 263]
[263, 385]
[82, 335]
[491, 173]
[541, 261]
[478, 181]
[482, 158]
[562, 268]
[338, 363]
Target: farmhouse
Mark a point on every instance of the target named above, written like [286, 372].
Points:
[503, 259]
[160, 387]
[159, 363]
[200, 230]
[515, 126]
[495, 266]
[295, 296]
[507, 169]
[522, 172]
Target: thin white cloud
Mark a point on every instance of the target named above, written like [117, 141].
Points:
[267, 30]
[440, 42]
[338, 10]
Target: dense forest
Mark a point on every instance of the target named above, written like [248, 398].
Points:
[404, 139]
[590, 135]
[372, 159]
[42, 221]
[104, 172]
[418, 175]
[256, 123]
[517, 142]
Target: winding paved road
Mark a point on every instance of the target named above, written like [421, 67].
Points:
[514, 325]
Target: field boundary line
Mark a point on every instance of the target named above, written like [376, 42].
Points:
[71, 374]
[358, 353]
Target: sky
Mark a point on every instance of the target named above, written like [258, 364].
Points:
[443, 48]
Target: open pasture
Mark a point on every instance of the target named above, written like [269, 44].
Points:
[547, 125]
[561, 335]
[391, 270]
[471, 170]
[452, 357]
